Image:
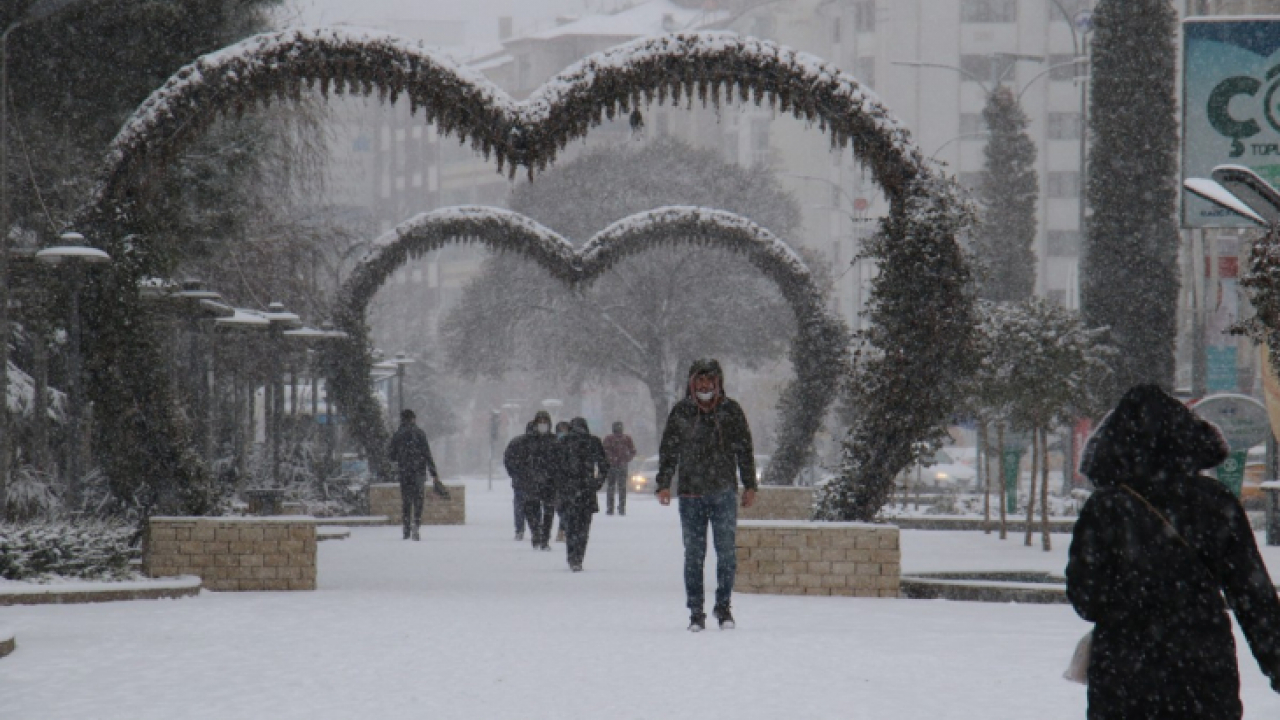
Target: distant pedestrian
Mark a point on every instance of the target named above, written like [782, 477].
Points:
[619, 449]
[707, 440]
[586, 468]
[411, 453]
[562, 434]
[1154, 551]
[511, 461]
[532, 461]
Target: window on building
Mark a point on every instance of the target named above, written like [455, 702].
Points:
[1063, 243]
[864, 16]
[972, 124]
[1062, 68]
[1063, 185]
[988, 11]
[976, 67]
[1064, 126]
[864, 69]
[760, 141]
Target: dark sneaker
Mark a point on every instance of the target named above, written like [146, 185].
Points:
[576, 567]
[697, 622]
[406, 535]
[622, 511]
[609, 511]
[545, 547]
[415, 534]
[725, 617]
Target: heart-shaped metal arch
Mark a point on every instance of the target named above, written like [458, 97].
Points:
[915, 353]
[818, 352]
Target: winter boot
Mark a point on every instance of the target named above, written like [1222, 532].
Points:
[406, 534]
[697, 621]
[415, 534]
[520, 536]
[576, 567]
[725, 617]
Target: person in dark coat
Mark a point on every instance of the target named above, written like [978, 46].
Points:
[562, 434]
[620, 450]
[532, 461]
[1159, 553]
[708, 441]
[585, 468]
[411, 453]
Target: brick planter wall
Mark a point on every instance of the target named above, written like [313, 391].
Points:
[818, 558]
[780, 503]
[384, 499]
[234, 553]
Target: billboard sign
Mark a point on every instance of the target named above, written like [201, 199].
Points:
[1231, 106]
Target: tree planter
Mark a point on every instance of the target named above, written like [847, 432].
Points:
[816, 558]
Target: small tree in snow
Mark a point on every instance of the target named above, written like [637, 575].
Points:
[1043, 367]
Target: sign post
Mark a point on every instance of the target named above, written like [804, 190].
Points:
[1244, 423]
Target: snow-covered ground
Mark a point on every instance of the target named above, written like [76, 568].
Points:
[469, 624]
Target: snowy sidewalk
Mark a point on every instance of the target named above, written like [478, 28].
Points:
[469, 624]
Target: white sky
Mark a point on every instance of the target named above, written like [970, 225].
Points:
[466, 27]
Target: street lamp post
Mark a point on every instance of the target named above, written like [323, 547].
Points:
[74, 254]
[38, 11]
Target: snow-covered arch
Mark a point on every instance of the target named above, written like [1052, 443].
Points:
[818, 352]
[916, 350]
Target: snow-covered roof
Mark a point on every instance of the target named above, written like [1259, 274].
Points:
[651, 18]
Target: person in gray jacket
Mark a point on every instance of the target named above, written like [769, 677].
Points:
[708, 441]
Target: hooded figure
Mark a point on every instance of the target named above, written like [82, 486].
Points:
[532, 460]
[1154, 552]
[707, 440]
[585, 469]
[411, 453]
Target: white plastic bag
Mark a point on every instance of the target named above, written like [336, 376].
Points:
[1078, 668]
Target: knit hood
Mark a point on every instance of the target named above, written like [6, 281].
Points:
[1150, 436]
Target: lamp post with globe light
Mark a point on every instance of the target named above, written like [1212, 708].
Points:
[37, 11]
[74, 255]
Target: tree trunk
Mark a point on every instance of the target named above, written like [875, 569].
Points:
[1031, 489]
[1044, 490]
[1004, 521]
[983, 466]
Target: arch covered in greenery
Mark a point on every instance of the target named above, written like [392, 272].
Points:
[818, 352]
[911, 359]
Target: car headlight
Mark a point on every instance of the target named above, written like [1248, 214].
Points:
[637, 479]
[940, 476]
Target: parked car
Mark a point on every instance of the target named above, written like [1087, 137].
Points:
[941, 472]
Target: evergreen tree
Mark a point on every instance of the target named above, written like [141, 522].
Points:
[1129, 277]
[1009, 190]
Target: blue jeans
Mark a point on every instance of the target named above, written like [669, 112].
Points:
[720, 511]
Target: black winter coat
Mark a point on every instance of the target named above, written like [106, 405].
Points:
[710, 450]
[584, 471]
[410, 452]
[533, 461]
[1163, 645]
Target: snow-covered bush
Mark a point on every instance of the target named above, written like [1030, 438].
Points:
[31, 495]
[42, 551]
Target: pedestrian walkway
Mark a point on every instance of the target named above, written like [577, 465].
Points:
[470, 624]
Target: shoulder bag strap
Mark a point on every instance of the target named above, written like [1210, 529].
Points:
[1172, 529]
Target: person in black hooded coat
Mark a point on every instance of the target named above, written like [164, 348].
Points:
[584, 471]
[1154, 551]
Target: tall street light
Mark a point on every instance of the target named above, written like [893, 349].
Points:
[36, 12]
[74, 254]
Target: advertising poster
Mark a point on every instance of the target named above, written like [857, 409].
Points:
[1231, 108]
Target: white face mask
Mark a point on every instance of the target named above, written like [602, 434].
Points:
[705, 396]
[543, 428]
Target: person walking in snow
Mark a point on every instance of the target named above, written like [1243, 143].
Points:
[411, 453]
[708, 441]
[1158, 555]
[619, 449]
[532, 461]
[586, 467]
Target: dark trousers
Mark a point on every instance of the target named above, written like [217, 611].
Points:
[720, 511]
[617, 478]
[576, 519]
[413, 492]
[539, 515]
[517, 503]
